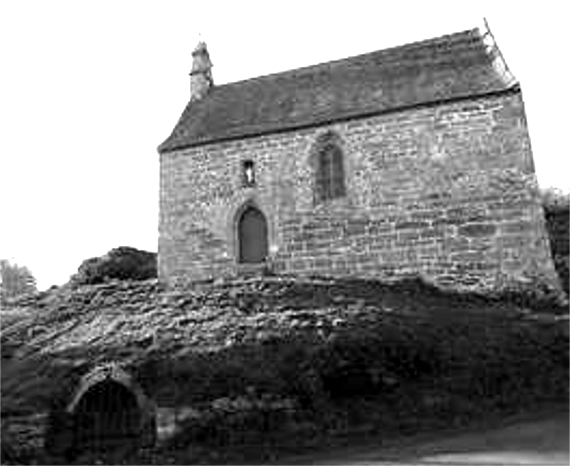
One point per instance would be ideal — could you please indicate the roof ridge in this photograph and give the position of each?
(309, 68)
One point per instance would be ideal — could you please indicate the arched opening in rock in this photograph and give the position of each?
(107, 418)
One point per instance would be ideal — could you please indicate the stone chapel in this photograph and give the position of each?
(413, 161)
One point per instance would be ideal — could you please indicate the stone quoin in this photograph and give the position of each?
(409, 161)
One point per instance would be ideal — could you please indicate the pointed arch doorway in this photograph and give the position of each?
(252, 236)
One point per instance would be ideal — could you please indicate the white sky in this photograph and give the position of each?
(89, 89)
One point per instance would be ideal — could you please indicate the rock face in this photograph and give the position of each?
(259, 354)
(122, 263)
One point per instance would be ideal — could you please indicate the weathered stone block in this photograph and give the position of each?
(520, 226)
(410, 225)
(477, 229)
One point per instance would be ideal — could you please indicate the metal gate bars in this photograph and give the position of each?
(107, 418)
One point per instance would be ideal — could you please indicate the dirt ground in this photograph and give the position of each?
(539, 439)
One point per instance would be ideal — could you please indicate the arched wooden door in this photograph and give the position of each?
(107, 418)
(252, 236)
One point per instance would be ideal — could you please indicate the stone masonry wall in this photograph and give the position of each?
(446, 192)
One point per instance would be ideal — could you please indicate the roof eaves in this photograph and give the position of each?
(180, 120)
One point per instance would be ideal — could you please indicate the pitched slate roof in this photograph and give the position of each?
(449, 67)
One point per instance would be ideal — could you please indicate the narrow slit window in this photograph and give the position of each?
(248, 173)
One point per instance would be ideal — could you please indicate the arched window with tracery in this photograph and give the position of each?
(329, 168)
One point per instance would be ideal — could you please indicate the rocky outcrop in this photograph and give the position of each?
(273, 351)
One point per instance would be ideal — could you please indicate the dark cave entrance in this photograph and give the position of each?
(107, 418)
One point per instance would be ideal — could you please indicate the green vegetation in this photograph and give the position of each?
(557, 214)
(15, 281)
(122, 263)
